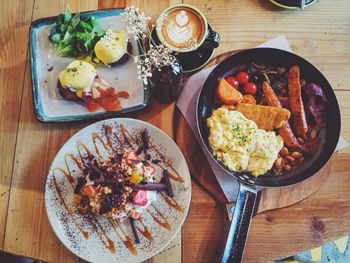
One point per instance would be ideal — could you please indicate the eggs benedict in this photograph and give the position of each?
(79, 81)
(76, 79)
(113, 48)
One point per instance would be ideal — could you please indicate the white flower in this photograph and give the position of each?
(137, 27)
(136, 22)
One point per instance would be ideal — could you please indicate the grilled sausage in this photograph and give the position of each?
(288, 136)
(296, 102)
(285, 131)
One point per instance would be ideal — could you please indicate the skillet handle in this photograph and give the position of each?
(238, 232)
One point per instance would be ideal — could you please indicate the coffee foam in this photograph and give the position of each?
(181, 27)
(181, 30)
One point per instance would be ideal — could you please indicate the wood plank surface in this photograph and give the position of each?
(33, 157)
(313, 222)
(343, 97)
(104, 4)
(14, 20)
(320, 33)
(160, 115)
(321, 218)
(28, 232)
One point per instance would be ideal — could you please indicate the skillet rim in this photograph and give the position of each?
(314, 167)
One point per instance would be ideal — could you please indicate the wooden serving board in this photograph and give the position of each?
(271, 198)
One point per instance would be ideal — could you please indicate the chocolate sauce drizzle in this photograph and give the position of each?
(174, 175)
(108, 131)
(66, 174)
(80, 144)
(144, 230)
(126, 140)
(161, 220)
(95, 137)
(69, 211)
(170, 201)
(123, 237)
(102, 234)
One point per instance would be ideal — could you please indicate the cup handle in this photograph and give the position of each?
(302, 4)
(212, 40)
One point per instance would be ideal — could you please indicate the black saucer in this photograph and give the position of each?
(193, 60)
(293, 4)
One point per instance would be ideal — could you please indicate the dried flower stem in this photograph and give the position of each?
(158, 56)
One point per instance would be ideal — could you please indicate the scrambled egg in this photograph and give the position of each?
(238, 143)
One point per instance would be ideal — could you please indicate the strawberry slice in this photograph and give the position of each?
(141, 198)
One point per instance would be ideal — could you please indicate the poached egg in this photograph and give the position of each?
(81, 77)
(112, 47)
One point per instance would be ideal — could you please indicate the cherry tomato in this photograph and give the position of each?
(233, 81)
(242, 77)
(250, 88)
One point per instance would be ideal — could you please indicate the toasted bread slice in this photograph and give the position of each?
(266, 117)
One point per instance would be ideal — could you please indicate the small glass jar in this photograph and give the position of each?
(166, 82)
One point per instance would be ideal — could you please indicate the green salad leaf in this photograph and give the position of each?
(75, 35)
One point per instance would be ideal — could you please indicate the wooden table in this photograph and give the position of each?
(320, 33)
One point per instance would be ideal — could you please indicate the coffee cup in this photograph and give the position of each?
(293, 4)
(183, 28)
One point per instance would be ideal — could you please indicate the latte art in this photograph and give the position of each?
(182, 18)
(182, 27)
(180, 31)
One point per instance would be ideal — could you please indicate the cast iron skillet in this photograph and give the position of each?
(250, 185)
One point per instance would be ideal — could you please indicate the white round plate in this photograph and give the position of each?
(71, 226)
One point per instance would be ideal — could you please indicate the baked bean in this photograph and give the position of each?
(284, 151)
(296, 154)
(290, 159)
(313, 133)
(287, 167)
(279, 162)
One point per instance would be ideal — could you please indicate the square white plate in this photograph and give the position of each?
(46, 64)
